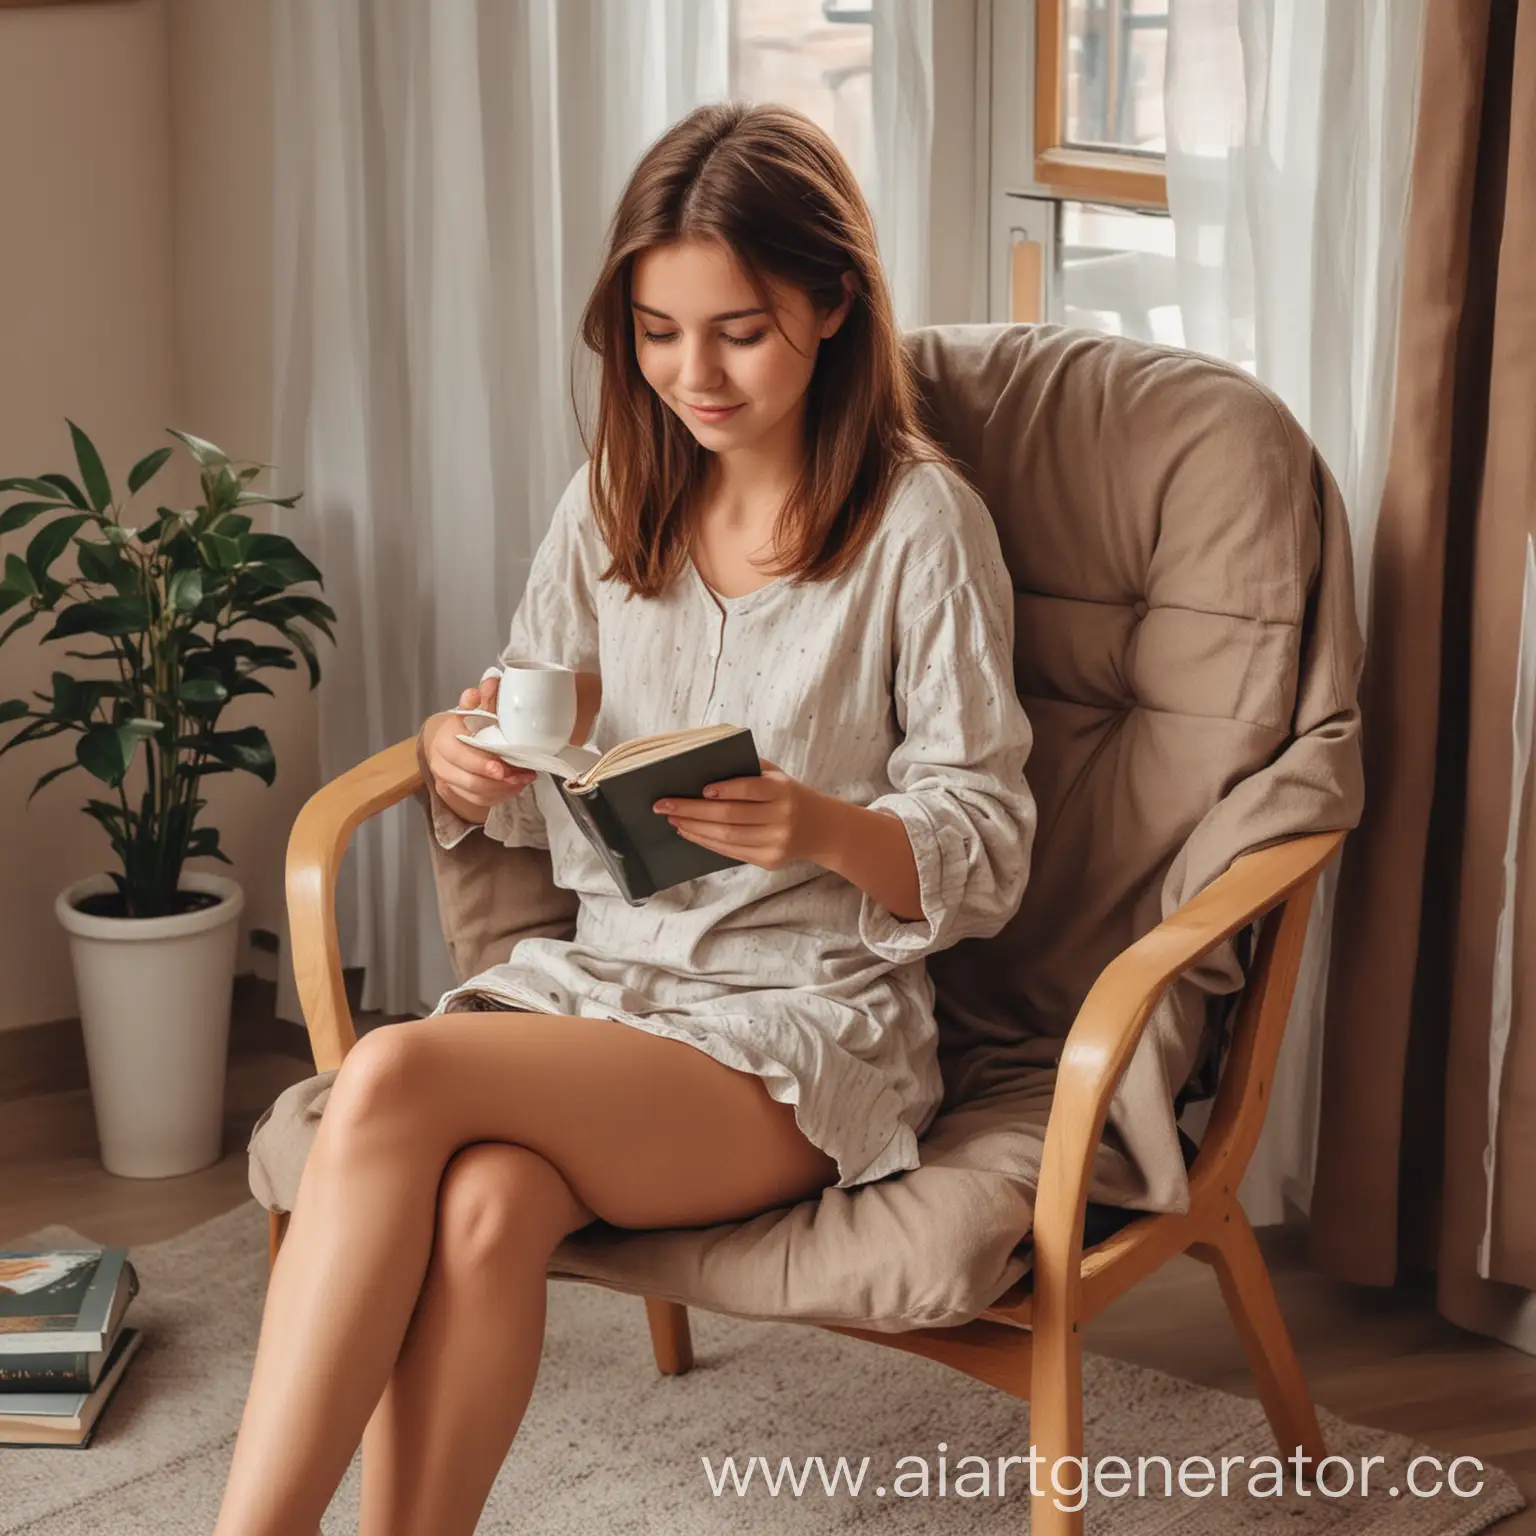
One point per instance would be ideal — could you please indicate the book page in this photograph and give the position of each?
(648, 749)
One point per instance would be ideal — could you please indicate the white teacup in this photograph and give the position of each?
(535, 704)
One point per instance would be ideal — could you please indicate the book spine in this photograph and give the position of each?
(612, 843)
(45, 1373)
(638, 883)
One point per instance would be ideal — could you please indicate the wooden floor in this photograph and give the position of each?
(1377, 1357)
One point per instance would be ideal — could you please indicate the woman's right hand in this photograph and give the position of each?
(470, 780)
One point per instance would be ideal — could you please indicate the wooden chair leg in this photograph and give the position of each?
(1056, 1425)
(1250, 1297)
(670, 1337)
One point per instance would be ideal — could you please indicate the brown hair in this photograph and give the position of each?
(770, 186)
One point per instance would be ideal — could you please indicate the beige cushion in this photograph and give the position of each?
(1188, 655)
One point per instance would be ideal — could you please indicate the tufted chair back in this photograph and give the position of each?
(1161, 515)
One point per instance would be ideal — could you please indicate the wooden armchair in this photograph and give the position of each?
(1187, 652)
(1029, 1341)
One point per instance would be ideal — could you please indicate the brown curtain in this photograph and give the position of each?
(1410, 1057)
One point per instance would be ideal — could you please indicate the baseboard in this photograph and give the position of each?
(42, 1058)
(50, 1058)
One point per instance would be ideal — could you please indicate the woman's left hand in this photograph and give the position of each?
(768, 820)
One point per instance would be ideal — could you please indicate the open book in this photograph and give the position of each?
(610, 797)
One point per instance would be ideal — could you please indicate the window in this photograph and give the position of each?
(1099, 98)
(815, 56)
(1086, 238)
(1112, 76)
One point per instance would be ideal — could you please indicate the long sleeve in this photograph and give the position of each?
(556, 620)
(958, 774)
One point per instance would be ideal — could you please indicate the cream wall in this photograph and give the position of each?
(135, 287)
(221, 83)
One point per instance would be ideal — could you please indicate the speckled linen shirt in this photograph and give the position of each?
(891, 687)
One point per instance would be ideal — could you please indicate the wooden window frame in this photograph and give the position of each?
(1091, 175)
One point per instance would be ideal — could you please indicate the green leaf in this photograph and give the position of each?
(105, 752)
(225, 486)
(233, 525)
(98, 562)
(98, 488)
(204, 844)
(31, 487)
(13, 709)
(71, 700)
(38, 730)
(18, 578)
(111, 818)
(140, 728)
(244, 683)
(186, 590)
(256, 499)
(9, 598)
(306, 648)
(69, 488)
(256, 655)
(16, 624)
(204, 452)
(247, 750)
(22, 513)
(173, 525)
(282, 555)
(264, 578)
(146, 469)
(104, 616)
(281, 611)
(202, 690)
(49, 543)
(117, 534)
(221, 553)
(49, 777)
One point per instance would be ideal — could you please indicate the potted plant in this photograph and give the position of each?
(167, 617)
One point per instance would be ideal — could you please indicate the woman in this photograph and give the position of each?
(764, 536)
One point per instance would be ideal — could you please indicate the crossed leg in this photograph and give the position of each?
(395, 1261)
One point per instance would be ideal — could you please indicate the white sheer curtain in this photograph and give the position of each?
(903, 145)
(1290, 137)
(445, 172)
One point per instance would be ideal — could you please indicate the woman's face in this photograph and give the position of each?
(714, 355)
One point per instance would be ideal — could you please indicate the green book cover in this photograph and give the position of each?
(639, 847)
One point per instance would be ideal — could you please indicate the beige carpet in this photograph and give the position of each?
(610, 1445)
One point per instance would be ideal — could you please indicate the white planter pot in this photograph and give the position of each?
(154, 997)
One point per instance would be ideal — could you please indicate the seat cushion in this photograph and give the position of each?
(912, 1251)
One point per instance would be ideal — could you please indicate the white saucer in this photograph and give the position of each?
(565, 764)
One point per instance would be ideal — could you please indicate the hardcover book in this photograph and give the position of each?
(65, 1419)
(610, 796)
(612, 803)
(65, 1302)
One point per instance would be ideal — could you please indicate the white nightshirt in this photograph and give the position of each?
(891, 687)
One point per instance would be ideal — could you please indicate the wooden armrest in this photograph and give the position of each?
(1109, 1024)
(315, 849)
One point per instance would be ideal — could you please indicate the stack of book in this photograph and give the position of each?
(63, 1347)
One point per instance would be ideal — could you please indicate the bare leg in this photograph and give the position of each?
(440, 1433)
(646, 1132)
